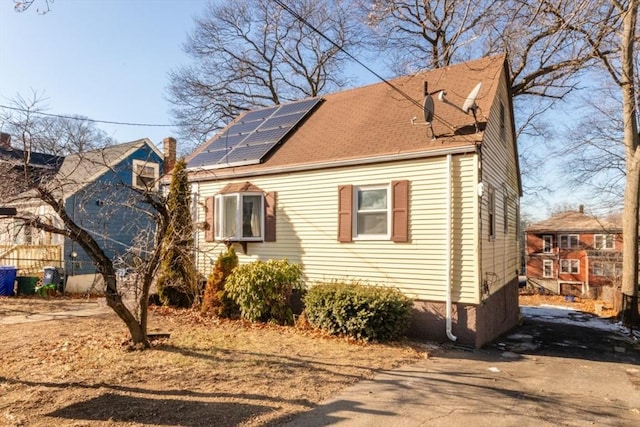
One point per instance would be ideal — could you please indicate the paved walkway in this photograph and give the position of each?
(458, 388)
(82, 310)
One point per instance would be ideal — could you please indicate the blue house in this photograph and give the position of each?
(98, 190)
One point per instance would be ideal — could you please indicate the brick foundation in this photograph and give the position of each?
(473, 325)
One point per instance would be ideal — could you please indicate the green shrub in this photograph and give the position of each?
(363, 312)
(215, 300)
(263, 290)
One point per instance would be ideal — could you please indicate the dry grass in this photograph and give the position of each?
(77, 372)
(598, 307)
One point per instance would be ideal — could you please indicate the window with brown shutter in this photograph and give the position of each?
(374, 212)
(270, 217)
(209, 215)
(345, 209)
(400, 211)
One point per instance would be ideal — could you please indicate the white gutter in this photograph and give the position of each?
(448, 239)
(215, 174)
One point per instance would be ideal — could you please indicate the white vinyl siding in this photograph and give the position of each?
(307, 227)
(498, 171)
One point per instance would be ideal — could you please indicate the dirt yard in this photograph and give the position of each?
(598, 307)
(77, 372)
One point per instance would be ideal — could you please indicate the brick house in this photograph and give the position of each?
(573, 253)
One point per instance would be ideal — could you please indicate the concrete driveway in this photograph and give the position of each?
(545, 373)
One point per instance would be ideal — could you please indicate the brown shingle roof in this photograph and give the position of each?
(375, 120)
(573, 221)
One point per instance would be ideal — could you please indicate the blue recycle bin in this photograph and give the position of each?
(7, 279)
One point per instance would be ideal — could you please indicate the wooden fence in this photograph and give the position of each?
(31, 259)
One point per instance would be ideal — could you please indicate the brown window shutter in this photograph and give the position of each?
(209, 217)
(345, 215)
(400, 211)
(270, 217)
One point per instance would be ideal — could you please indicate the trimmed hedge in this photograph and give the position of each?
(360, 311)
(263, 290)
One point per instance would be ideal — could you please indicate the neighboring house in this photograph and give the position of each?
(95, 187)
(354, 187)
(573, 253)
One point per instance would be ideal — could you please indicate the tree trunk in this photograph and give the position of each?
(137, 329)
(629, 313)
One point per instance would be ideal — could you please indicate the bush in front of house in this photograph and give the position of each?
(215, 301)
(263, 290)
(360, 311)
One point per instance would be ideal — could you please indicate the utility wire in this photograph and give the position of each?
(388, 83)
(86, 119)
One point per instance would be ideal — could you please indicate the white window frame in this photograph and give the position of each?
(549, 246)
(145, 164)
(606, 268)
(545, 263)
(567, 244)
(220, 217)
(570, 266)
(357, 235)
(605, 238)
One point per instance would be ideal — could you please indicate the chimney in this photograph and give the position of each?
(169, 148)
(581, 209)
(5, 140)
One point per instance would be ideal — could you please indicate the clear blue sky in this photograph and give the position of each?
(104, 59)
(110, 59)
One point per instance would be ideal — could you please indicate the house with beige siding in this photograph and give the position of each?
(412, 183)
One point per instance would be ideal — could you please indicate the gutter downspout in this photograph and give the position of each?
(448, 269)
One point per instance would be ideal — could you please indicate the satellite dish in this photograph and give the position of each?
(429, 109)
(470, 102)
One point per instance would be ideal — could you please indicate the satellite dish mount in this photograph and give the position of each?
(469, 103)
(428, 108)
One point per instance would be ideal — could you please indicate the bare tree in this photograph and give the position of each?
(50, 133)
(545, 56)
(626, 79)
(613, 34)
(22, 5)
(593, 153)
(251, 53)
(42, 203)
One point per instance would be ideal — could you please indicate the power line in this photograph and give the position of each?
(388, 83)
(86, 119)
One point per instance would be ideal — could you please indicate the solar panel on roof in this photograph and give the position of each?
(244, 127)
(268, 135)
(296, 107)
(283, 121)
(259, 114)
(245, 154)
(253, 136)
